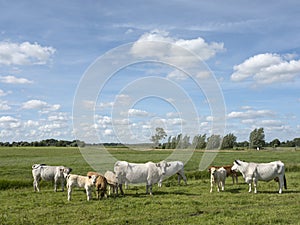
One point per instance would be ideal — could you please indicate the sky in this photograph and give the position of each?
(113, 71)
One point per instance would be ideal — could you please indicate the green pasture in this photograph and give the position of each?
(171, 204)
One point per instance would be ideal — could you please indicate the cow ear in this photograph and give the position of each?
(168, 165)
(237, 162)
(90, 177)
(157, 164)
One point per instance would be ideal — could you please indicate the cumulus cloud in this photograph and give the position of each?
(4, 105)
(138, 112)
(44, 107)
(267, 68)
(249, 114)
(160, 50)
(14, 80)
(24, 53)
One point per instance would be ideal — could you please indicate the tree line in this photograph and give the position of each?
(44, 143)
(229, 141)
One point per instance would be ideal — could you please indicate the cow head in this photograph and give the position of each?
(163, 166)
(65, 171)
(93, 179)
(213, 170)
(236, 164)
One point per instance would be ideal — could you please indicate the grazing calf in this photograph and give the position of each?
(82, 182)
(101, 184)
(113, 183)
(217, 176)
(173, 168)
(229, 172)
(49, 173)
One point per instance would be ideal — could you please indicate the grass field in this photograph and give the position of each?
(171, 204)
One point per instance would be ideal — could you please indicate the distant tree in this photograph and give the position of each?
(257, 138)
(297, 142)
(275, 143)
(199, 141)
(214, 142)
(159, 135)
(229, 141)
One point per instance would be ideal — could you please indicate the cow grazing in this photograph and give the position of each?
(253, 172)
(113, 183)
(136, 173)
(218, 177)
(229, 172)
(85, 182)
(101, 184)
(175, 167)
(49, 173)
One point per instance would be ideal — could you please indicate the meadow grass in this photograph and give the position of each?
(171, 204)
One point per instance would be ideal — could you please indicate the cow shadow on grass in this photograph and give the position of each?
(276, 192)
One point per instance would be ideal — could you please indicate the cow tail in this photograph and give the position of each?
(284, 182)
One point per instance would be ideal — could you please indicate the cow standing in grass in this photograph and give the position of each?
(86, 182)
(229, 172)
(253, 172)
(137, 173)
(101, 184)
(218, 177)
(49, 173)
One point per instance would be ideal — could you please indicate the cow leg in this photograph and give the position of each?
(211, 186)
(179, 178)
(250, 183)
(222, 185)
(121, 189)
(280, 184)
(55, 184)
(255, 185)
(109, 187)
(150, 187)
(181, 173)
(62, 184)
(89, 194)
(218, 186)
(69, 193)
(36, 185)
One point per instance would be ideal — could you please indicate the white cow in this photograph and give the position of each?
(253, 172)
(137, 173)
(218, 177)
(86, 182)
(174, 167)
(49, 173)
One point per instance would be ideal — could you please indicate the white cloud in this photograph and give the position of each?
(5, 119)
(14, 80)
(2, 93)
(44, 107)
(34, 104)
(4, 105)
(160, 50)
(267, 68)
(138, 112)
(177, 75)
(24, 53)
(249, 114)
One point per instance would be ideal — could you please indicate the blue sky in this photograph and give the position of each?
(251, 49)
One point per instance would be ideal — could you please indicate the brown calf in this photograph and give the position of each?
(101, 184)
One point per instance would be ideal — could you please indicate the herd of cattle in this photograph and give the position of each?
(152, 173)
